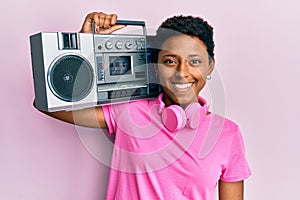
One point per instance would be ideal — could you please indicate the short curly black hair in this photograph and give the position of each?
(189, 25)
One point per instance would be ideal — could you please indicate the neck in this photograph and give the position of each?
(168, 102)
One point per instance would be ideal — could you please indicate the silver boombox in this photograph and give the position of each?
(79, 70)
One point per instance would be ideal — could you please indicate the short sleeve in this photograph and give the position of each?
(109, 118)
(237, 168)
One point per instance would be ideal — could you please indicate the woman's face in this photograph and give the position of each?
(183, 64)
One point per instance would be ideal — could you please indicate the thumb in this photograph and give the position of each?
(114, 28)
(117, 27)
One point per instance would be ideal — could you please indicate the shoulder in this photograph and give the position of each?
(226, 130)
(120, 113)
(230, 126)
(230, 136)
(227, 126)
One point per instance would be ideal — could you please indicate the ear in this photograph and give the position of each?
(211, 65)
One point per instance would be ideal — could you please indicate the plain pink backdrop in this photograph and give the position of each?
(257, 51)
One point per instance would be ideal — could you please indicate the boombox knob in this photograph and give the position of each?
(119, 45)
(109, 44)
(128, 45)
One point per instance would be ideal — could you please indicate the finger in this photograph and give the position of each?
(87, 24)
(89, 17)
(107, 22)
(101, 19)
(114, 18)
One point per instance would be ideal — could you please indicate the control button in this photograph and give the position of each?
(101, 76)
(128, 45)
(138, 45)
(142, 43)
(119, 45)
(109, 44)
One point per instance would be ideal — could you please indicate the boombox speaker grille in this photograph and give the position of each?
(70, 78)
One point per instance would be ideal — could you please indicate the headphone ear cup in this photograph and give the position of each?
(194, 113)
(174, 118)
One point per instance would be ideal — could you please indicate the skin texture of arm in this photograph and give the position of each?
(88, 117)
(231, 190)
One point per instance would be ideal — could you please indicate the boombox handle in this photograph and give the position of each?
(127, 22)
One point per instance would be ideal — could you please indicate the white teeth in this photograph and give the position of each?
(183, 86)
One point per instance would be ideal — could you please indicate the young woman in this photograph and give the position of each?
(171, 147)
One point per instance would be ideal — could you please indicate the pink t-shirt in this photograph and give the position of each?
(149, 162)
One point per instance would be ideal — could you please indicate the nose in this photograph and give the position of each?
(183, 69)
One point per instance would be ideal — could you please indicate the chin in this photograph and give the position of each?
(181, 98)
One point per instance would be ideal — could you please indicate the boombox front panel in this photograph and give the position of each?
(71, 71)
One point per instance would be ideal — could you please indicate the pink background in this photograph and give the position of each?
(257, 51)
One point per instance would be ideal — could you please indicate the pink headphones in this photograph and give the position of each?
(175, 118)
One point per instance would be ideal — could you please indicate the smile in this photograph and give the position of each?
(182, 85)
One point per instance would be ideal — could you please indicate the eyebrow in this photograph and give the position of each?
(175, 55)
(195, 55)
(170, 55)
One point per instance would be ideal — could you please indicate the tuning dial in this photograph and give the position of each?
(128, 45)
(119, 45)
(109, 44)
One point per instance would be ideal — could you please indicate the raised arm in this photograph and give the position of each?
(90, 117)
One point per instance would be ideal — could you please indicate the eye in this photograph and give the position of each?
(195, 62)
(169, 62)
